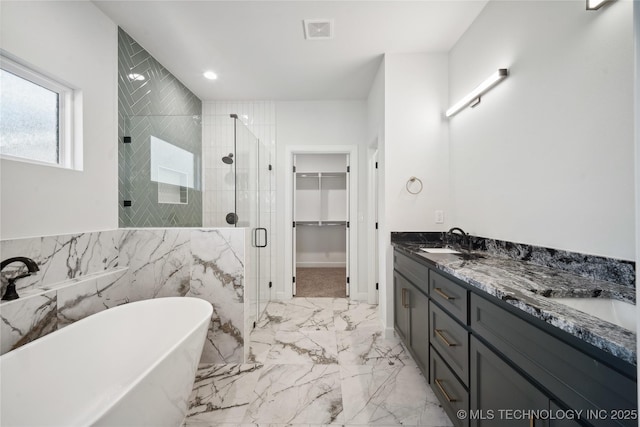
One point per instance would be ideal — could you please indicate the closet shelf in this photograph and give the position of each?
(320, 174)
(321, 223)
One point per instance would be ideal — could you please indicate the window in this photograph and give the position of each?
(35, 116)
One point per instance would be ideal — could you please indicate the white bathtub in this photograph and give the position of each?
(132, 365)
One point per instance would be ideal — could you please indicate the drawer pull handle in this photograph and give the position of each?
(442, 294)
(405, 304)
(443, 391)
(443, 338)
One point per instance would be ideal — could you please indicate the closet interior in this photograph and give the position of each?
(321, 225)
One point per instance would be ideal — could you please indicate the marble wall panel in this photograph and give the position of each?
(159, 262)
(217, 275)
(85, 273)
(24, 320)
(61, 258)
(93, 295)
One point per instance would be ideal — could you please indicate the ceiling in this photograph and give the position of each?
(258, 50)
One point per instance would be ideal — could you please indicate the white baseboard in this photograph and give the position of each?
(320, 264)
(359, 296)
(389, 333)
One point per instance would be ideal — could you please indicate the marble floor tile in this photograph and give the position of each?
(357, 315)
(308, 314)
(222, 393)
(345, 374)
(303, 348)
(297, 394)
(369, 347)
(261, 340)
(397, 395)
(273, 316)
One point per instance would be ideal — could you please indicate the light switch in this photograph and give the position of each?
(439, 217)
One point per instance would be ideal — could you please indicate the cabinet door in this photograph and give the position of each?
(419, 313)
(400, 305)
(560, 421)
(499, 394)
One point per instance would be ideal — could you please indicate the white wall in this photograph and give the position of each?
(329, 123)
(416, 141)
(415, 144)
(76, 43)
(547, 157)
(375, 139)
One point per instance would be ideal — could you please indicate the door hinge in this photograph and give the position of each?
(270, 167)
(294, 169)
(294, 279)
(347, 224)
(376, 165)
(127, 140)
(348, 169)
(294, 224)
(376, 286)
(270, 285)
(254, 324)
(376, 225)
(348, 280)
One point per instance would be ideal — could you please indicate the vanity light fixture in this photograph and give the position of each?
(596, 4)
(473, 98)
(210, 75)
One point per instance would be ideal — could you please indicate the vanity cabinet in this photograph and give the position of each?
(486, 355)
(497, 389)
(411, 309)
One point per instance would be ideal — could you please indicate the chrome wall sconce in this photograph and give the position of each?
(596, 4)
(473, 98)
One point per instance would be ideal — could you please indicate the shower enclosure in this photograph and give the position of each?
(172, 174)
(247, 168)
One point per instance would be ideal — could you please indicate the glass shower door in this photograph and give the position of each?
(266, 201)
(160, 172)
(253, 206)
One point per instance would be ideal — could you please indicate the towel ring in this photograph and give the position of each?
(411, 181)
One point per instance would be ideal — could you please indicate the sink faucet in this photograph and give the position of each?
(32, 267)
(460, 232)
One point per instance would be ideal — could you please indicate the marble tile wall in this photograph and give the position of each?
(85, 273)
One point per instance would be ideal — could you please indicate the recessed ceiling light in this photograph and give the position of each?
(210, 75)
(136, 76)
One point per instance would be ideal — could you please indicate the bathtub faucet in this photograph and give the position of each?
(32, 267)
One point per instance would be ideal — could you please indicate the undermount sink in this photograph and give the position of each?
(439, 251)
(618, 312)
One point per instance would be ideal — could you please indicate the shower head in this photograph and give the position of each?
(228, 159)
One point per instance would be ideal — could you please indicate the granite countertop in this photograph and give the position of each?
(527, 286)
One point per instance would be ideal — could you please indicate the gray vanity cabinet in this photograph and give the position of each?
(401, 287)
(499, 393)
(486, 356)
(411, 308)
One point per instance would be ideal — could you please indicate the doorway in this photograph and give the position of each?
(321, 223)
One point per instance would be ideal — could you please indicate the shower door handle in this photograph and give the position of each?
(255, 237)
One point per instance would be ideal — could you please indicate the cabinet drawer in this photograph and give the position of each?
(451, 296)
(577, 379)
(451, 340)
(450, 392)
(417, 273)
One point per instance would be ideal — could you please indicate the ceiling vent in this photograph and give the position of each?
(318, 29)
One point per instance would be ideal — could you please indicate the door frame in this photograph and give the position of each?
(352, 151)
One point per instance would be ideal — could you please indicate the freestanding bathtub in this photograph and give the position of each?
(132, 365)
